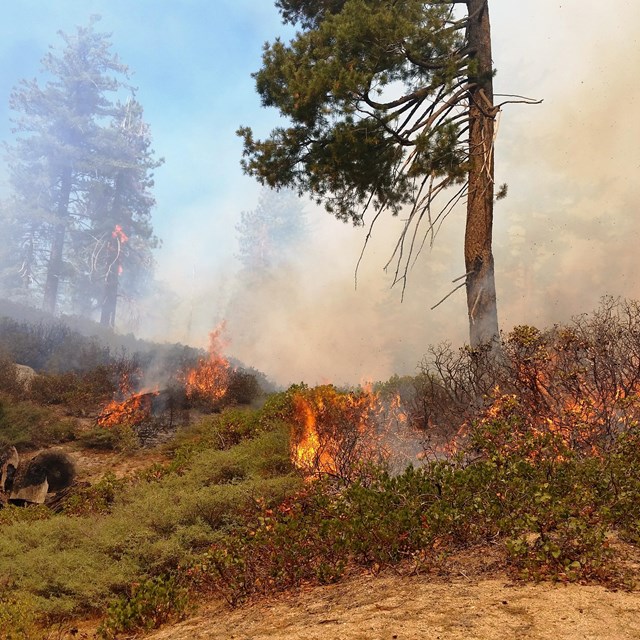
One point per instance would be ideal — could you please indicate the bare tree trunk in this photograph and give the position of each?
(481, 288)
(108, 311)
(54, 268)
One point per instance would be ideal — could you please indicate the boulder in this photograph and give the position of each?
(25, 375)
(48, 471)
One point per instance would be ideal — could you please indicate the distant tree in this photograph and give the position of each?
(269, 235)
(80, 170)
(118, 249)
(391, 108)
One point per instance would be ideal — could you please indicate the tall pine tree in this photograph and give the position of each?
(81, 171)
(391, 108)
(117, 256)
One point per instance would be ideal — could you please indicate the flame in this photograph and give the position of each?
(119, 234)
(335, 431)
(210, 378)
(132, 411)
(307, 451)
(550, 421)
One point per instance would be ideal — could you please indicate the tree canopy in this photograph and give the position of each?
(81, 173)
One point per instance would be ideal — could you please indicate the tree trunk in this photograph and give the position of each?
(108, 311)
(481, 288)
(54, 268)
(114, 267)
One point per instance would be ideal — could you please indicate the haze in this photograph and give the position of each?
(566, 235)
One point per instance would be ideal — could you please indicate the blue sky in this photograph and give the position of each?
(566, 234)
(191, 61)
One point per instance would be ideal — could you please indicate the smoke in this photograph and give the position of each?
(565, 236)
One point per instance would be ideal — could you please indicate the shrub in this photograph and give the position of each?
(121, 437)
(149, 605)
(28, 426)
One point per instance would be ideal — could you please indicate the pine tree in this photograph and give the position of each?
(119, 205)
(391, 108)
(80, 170)
(268, 235)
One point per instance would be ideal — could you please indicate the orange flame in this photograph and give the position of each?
(211, 376)
(119, 234)
(336, 432)
(132, 411)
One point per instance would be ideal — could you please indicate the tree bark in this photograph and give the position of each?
(478, 254)
(108, 311)
(54, 267)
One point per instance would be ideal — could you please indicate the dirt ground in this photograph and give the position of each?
(392, 607)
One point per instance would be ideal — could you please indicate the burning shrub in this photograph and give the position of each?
(335, 432)
(208, 382)
(579, 382)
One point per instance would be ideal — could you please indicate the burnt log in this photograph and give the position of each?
(9, 461)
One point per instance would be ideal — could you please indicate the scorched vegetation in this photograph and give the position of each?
(530, 463)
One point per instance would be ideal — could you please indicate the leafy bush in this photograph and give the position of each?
(118, 438)
(150, 604)
(27, 426)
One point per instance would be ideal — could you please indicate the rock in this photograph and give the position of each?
(25, 375)
(48, 471)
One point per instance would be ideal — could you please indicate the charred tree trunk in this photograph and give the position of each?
(478, 254)
(54, 267)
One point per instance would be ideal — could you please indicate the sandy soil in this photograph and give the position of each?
(404, 608)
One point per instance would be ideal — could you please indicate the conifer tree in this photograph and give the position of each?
(81, 172)
(391, 108)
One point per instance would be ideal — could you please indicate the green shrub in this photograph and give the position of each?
(94, 499)
(121, 437)
(78, 392)
(29, 426)
(17, 618)
(149, 605)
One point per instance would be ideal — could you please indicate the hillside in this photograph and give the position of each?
(178, 512)
(393, 606)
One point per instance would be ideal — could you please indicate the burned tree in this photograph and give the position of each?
(391, 109)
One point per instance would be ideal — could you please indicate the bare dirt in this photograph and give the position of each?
(397, 607)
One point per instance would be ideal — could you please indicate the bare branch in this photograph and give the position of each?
(448, 295)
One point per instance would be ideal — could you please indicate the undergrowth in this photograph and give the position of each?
(543, 470)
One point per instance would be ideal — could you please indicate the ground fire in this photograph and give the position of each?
(132, 411)
(209, 380)
(338, 432)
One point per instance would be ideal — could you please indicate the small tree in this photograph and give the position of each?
(391, 108)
